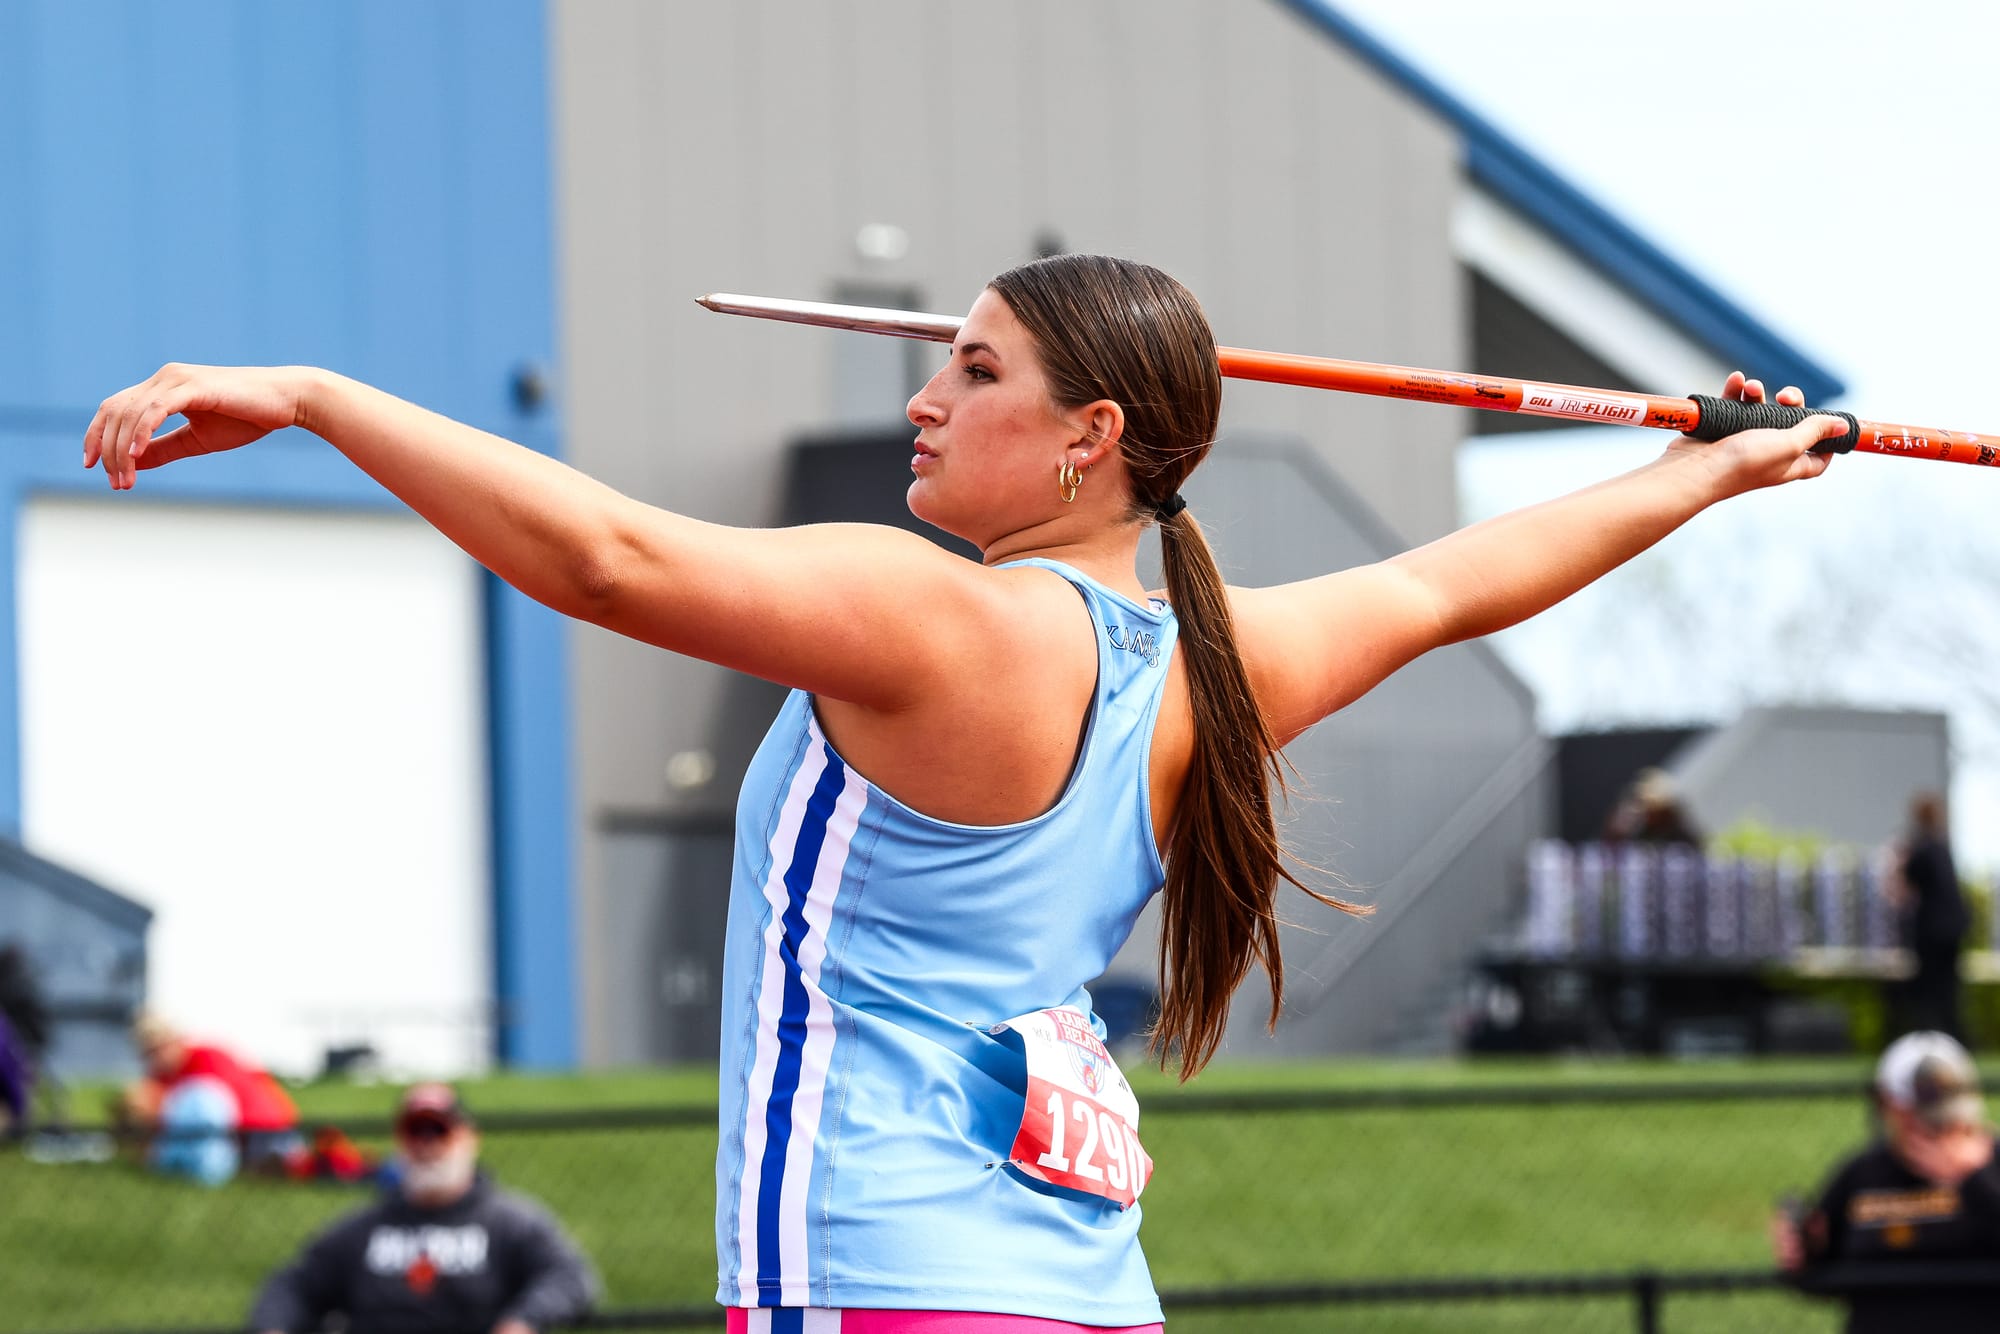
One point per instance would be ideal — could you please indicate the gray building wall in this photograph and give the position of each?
(741, 145)
(86, 948)
(1847, 774)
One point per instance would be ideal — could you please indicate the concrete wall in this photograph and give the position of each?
(741, 146)
(1845, 773)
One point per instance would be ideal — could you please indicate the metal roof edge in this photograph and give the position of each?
(1514, 175)
(85, 893)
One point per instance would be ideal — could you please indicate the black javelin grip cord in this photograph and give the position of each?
(1727, 416)
(1703, 416)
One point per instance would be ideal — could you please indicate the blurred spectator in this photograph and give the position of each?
(1651, 813)
(331, 1156)
(195, 1132)
(24, 1037)
(21, 999)
(1928, 1189)
(1935, 919)
(199, 1105)
(17, 1080)
(443, 1253)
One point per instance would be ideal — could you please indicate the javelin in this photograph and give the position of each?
(1702, 416)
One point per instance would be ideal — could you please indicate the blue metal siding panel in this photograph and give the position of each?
(504, 190)
(359, 185)
(1654, 278)
(508, 227)
(534, 943)
(19, 292)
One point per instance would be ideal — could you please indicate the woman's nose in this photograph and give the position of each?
(925, 408)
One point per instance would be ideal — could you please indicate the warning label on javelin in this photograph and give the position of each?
(1584, 407)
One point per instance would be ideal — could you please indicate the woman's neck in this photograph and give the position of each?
(1111, 557)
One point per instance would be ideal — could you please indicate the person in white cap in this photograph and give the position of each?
(1927, 1190)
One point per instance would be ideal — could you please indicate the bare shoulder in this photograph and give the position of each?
(939, 624)
(859, 612)
(987, 734)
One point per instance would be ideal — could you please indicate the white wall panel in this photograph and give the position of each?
(268, 727)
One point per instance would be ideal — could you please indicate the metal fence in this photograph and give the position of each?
(1587, 1206)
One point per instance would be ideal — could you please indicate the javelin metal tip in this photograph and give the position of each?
(860, 319)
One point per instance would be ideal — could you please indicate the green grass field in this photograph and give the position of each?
(1238, 1198)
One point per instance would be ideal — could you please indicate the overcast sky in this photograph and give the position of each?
(1834, 167)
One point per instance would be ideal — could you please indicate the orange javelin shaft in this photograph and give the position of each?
(1702, 415)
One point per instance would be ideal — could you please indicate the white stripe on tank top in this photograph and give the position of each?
(808, 852)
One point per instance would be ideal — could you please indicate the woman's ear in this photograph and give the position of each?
(1101, 424)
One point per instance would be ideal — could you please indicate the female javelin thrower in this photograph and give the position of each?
(984, 769)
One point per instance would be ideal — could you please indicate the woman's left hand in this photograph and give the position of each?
(1763, 457)
(224, 407)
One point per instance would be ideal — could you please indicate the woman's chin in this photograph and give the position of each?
(922, 502)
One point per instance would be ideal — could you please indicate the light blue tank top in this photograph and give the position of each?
(866, 1111)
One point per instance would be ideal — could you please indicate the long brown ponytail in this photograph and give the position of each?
(1112, 329)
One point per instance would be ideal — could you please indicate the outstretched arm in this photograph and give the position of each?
(1344, 632)
(820, 607)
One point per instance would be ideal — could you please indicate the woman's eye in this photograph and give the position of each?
(978, 373)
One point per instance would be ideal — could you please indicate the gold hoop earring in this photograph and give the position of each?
(1068, 479)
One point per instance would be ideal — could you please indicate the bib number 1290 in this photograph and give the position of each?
(1102, 1132)
(1080, 1125)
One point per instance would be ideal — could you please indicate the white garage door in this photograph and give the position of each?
(268, 726)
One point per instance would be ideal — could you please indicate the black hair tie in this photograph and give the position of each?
(1169, 507)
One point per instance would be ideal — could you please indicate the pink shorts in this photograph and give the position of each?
(816, 1320)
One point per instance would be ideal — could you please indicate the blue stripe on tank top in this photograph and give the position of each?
(791, 1030)
(788, 1320)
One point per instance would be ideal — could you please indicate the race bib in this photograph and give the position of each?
(1080, 1128)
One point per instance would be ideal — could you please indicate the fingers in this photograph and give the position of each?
(1807, 434)
(103, 442)
(1740, 386)
(93, 439)
(122, 430)
(176, 444)
(151, 419)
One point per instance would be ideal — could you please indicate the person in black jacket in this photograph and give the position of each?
(1936, 919)
(1927, 1191)
(447, 1253)
(24, 1037)
(21, 999)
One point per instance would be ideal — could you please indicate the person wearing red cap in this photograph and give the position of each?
(1928, 1190)
(444, 1252)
